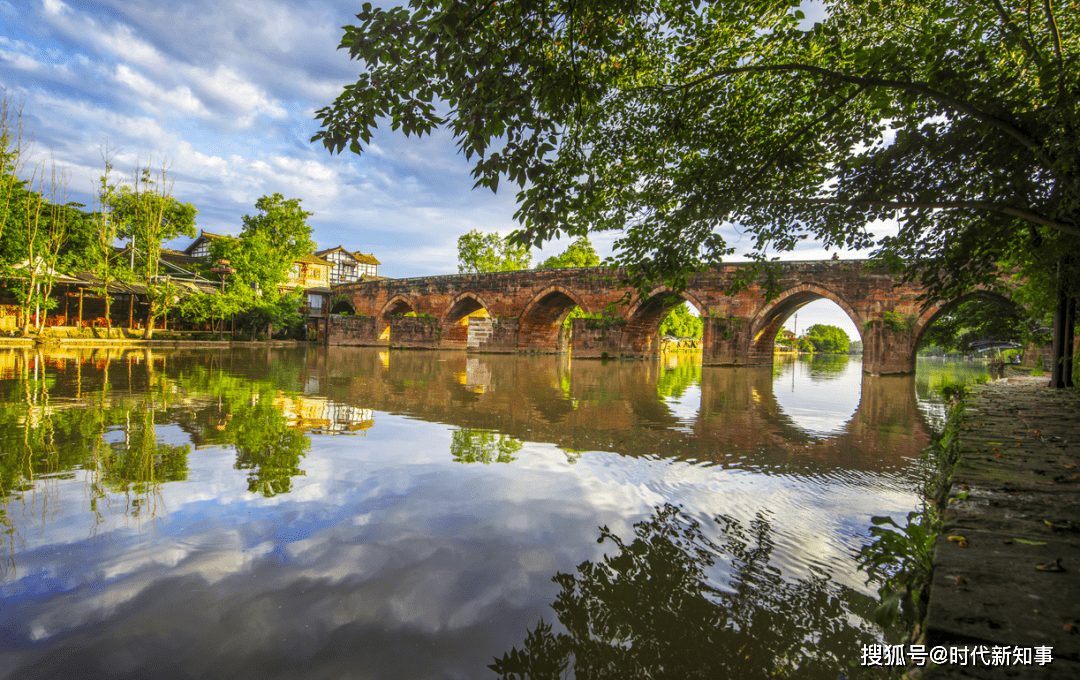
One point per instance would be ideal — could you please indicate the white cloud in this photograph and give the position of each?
(179, 100)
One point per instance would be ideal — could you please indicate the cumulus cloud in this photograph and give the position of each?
(226, 91)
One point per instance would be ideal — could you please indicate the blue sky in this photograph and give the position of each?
(226, 93)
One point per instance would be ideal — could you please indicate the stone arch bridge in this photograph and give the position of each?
(523, 311)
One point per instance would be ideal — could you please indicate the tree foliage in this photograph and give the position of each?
(146, 213)
(828, 339)
(668, 120)
(479, 253)
(682, 324)
(282, 225)
(986, 319)
(580, 253)
(267, 249)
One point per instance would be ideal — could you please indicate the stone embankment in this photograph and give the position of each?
(1007, 562)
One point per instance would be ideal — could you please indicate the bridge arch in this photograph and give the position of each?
(771, 317)
(938, 309)
(455, 322)
(342, 305)
(541, 319)
(648, 312)
(398, 305)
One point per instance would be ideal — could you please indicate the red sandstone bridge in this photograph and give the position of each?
(523, 311)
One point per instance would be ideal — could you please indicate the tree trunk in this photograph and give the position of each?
(269, 332)
(1061, 313)
(1070, 325)
(149, 327)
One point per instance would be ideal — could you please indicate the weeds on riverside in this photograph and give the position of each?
(900, 559)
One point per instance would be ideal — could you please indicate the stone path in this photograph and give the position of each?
(1016, 503)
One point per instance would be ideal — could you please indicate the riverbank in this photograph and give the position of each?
(1007, 561)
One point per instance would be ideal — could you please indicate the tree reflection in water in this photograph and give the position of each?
(267, 446)
(138, 464)
(482, 446)
(650, 611)
(828, 365)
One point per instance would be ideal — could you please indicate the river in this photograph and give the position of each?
(358, 513)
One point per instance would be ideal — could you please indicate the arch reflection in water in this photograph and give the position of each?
(657, 609)
(820, 393)
(729, 416)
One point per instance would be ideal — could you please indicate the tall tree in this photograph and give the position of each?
(479, 253)
(580, 253)
(100, 257)
(282, 224)
(38, 226)
(267, 249)
(148, 215)
(14, 151)
(955, 120)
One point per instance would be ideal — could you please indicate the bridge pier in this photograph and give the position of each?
(888, 348)
(503, 338)
(595, 339)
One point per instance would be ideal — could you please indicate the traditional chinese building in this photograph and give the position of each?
(349, 267)
(200, 247)
(369, 266)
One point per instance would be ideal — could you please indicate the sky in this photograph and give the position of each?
(225, 93)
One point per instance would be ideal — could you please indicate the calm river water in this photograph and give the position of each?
(356, 513)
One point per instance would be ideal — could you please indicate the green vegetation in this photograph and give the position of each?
(680, 323)
(986, 318)
(673, 382)
(580, 253)
(828, 339)
(268, 247)
(146, 214)
(41, 233)
(42, 236)
(480, 253)
(45, 432)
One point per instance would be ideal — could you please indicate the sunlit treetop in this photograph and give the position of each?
(668, 119)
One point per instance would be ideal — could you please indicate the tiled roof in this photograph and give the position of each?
(204, 235)
(365, 259)
(311, 259)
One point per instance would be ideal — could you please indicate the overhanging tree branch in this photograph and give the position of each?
(1031, 143)
(942, 205)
